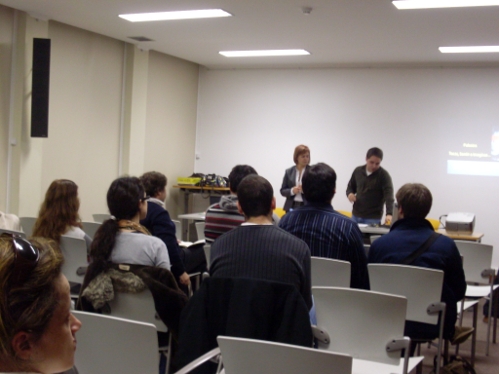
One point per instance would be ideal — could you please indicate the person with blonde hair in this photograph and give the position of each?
(37, 328)
(291, 187)
(59, 213)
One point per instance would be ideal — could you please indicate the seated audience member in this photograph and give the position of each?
(409, 234)
(122, 239)
(125, 257)
(37, 328)
(328, 233)
(59, 213)
(224, 216)
(9, 222)
(159, 223)
(258, 249)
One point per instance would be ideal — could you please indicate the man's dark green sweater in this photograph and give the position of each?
(372, 192)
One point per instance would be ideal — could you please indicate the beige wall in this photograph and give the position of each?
(171, 121)
(89, 129)
(6, 20)
(85, 113)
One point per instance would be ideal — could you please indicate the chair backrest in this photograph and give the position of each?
(27, 224)
(74, 251)
(200, 230)
(115, 345)
(138, 307)
(207, 254)
(178, 228)
(367, 247)
(477, 257)
(360, 323)
(421, 287)
(345, 213)
(328, 272)
(100, 217)
(13, 232)
(249, 356)
(90, 228)
(279, 212)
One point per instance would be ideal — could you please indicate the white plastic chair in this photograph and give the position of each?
(140, 307)
(207, 254)
(367, 325)
(178, 228)
(27, 224)
(329, 272)
(477, 264)
(13, 232)
(200, 230)
(75, 263)
(90, 228)
(421, 286)
(100, 217)
(249, 356)
(107, 344)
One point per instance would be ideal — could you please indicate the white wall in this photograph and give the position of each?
(257, 117)
(6, 21)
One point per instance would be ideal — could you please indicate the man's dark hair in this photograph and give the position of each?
(153, 183)
(255, 195)
(319, 183)
(375, 151)
(415, 200)
(237, 174)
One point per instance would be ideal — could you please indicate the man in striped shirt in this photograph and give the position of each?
(328, 233)
(224, 216)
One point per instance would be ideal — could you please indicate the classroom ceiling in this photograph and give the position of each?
(337, 33)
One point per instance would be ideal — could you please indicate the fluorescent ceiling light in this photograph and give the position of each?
(268, 52)
(427, 4)
(183, 14)
(477, 49)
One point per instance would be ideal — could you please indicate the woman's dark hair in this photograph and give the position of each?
(123, 199)
(30, 305)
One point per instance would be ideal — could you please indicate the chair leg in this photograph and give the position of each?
(473, 336)
(489, 323)
(496, 307)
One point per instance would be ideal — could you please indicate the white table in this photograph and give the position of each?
(200, 216)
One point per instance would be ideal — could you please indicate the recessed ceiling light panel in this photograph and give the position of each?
(427, 4)
(168, 16)
(268, 52)
(473, 49)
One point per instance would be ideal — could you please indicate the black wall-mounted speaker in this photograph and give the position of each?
(40, 85)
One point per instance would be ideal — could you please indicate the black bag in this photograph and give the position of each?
(456, 365)
(213, 180)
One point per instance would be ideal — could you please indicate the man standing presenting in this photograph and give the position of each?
(370, 188)
(412, 232)
(259, 250)
(328, 233)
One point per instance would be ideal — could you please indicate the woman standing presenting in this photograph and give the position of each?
(291, 183)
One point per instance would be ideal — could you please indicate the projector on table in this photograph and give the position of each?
(460, 223)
